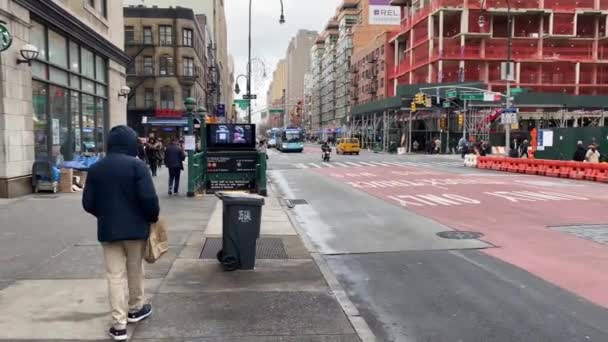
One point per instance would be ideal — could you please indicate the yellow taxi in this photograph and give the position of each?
(348, 146)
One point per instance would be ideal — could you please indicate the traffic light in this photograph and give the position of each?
(460, 119)
(443, 122)
(413, 107)
(428, 102)
(420, 98)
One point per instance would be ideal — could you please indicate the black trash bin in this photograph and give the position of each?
(241, 219)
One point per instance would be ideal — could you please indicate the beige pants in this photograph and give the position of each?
(125, 269)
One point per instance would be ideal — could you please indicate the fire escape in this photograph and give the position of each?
(137, 73)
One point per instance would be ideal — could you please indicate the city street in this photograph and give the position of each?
(536, 272)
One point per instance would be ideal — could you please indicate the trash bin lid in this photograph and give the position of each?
(241, 199)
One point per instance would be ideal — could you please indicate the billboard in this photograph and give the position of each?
(381, 13)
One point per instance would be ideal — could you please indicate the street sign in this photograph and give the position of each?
(250, 96)
(491, 97)
(451, 93)
(508, 118)
(471, 96)
(446, 104)
(276, 111)
(243, 104)
(515, 91)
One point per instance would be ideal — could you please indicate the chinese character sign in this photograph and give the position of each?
(244, 216)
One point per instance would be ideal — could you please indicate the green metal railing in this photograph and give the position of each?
(196, 172)
(260, 176)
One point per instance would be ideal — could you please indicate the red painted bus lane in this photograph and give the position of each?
(514, 212)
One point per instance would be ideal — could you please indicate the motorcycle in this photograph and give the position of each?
(326, 154)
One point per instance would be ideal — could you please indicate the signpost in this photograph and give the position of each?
(451, 93)
(471, 96)
(275, 111)
(508, 116)
(243, 104)
(250, 97)
(447, 104)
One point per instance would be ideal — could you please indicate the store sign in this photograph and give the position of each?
(6, 39)
(382, 13)
(220, 164)
(228, 185)
(168, 113)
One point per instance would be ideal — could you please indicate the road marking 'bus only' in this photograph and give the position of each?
(453, 199)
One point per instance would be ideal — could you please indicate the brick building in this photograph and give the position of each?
(171, 60)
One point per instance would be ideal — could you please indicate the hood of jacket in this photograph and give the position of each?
(122, 139)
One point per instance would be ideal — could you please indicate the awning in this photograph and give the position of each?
(183, 122)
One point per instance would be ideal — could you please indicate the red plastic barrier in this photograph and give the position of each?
(591, 172)
(601, 174)
(552, 169)
(523, 166)
(533, 166)
(565, 168)
(578, 170)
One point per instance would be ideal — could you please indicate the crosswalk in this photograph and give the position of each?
(361, 164)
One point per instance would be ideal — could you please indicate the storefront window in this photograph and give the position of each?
(74, 57)
(100, 130)
(39, 70)
(58, 100)
(39, 100)
(38, 39)
(67, 122)
(88, 123)
(58, 50)
(88, 63)
(100, 69)
(75, 81)
(88, 86)
(58, 76)
(75, 114)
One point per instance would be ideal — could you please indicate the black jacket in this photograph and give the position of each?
(119, 191)
(580, 154)
(174, 156)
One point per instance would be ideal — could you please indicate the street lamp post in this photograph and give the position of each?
(281, 21)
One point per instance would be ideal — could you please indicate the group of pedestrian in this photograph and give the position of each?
(589, 155)
(155, 154)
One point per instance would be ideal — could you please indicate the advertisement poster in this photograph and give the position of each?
(381, 13)
(189, 143)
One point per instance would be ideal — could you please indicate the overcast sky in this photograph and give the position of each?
(269, 38)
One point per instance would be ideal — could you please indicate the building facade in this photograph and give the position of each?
(298, 63)
(169, 63)
(556, 46)
(369, 65)
(214, 10)
(314, 88)
(355, 25)
(61, 103)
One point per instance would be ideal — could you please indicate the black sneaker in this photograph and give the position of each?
(140, 315)
(118, 335)
(170, 193)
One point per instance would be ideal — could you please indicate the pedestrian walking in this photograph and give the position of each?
(415, 145)
(152, 153)
(593, 155)
(581, 153)
(141, 150)
(437, 146)
(174, 158)
(463, 147)
(119, 192)
(523, 149)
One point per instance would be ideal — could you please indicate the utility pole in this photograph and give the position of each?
(508, 69)
(249, 68)
(285, 114)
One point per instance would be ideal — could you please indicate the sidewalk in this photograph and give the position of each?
(52, 284)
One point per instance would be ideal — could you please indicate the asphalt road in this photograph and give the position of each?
(375, 219)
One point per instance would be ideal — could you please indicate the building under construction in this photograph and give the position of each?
(559, 55)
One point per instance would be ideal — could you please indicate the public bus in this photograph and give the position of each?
(271, 137)
(290, 139)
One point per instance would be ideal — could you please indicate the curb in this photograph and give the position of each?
(361, 327)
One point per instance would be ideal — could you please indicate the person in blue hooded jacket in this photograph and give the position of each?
(120, 193)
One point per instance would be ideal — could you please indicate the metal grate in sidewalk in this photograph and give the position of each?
(266, 248)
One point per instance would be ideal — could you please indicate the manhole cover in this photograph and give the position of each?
(597, 232)
(266, 248)
(459, 235)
